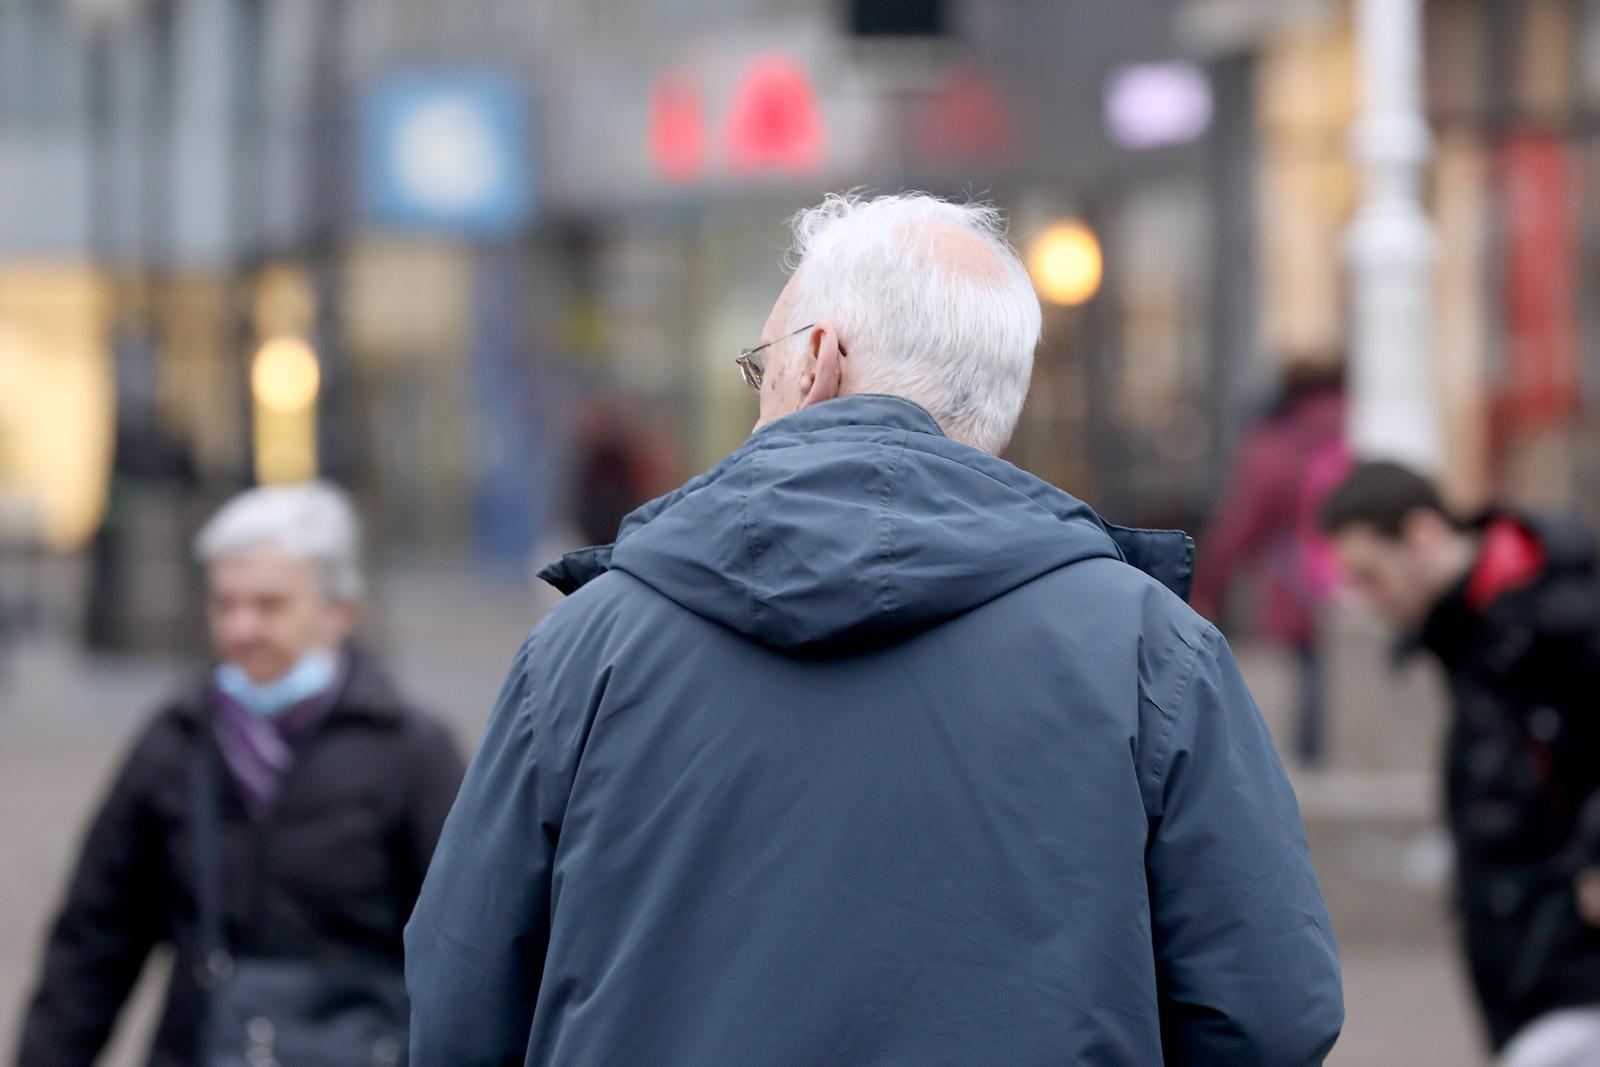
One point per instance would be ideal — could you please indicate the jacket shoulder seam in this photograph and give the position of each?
(1179, 701)
(527, 720)
(886, 537)
(750, 540)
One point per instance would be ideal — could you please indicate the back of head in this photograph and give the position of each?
(1305, 377)
(931, 303)
(312, 521)
(1380, 495)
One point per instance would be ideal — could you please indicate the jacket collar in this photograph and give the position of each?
(861, 409)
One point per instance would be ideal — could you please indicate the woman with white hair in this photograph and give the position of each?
(273, 824)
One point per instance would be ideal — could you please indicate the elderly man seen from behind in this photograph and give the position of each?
(272, 823)
(867, 747)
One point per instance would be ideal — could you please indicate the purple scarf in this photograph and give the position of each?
(260, 750)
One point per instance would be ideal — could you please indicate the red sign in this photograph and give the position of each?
(966, 118)
(1541, 268)
(774, 123)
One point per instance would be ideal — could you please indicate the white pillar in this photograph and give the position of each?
(1393, 402)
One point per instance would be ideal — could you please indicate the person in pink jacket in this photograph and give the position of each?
(1285, 467)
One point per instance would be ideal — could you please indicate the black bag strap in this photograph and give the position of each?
(206, 830)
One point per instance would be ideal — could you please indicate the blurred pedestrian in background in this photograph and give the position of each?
(869, 747)
(1267, 519)
(1510, 606)
(621, 459)
(273, 824)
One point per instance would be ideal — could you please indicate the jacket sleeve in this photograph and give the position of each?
(476, 941)
(1570, 678)
(114, 912)
(1246, 963)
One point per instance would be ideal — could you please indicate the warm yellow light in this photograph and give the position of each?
(285, 376)
(286, 446)
(56, 401)
(1065, 263)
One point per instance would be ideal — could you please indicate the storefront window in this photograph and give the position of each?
(55, 399)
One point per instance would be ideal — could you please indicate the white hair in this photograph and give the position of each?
(312, 521)
(918, 314)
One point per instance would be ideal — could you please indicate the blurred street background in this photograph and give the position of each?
(487, 263)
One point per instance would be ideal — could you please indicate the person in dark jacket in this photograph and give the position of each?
(331, 795)
(867, 747)
(1510, 606)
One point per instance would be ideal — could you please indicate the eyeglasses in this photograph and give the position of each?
(752, 368)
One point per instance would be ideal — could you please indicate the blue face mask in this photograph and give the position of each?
(313, 674)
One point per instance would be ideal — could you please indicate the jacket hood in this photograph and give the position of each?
(857, 521)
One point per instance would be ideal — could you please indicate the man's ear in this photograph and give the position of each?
(1424, 527)
(824, 372)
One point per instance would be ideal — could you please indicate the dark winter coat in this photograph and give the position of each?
(1522, 772)
(868, 748)
(332, 873)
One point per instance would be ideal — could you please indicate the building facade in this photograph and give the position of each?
(399, 242)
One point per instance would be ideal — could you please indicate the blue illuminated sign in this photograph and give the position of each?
(447, 151)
